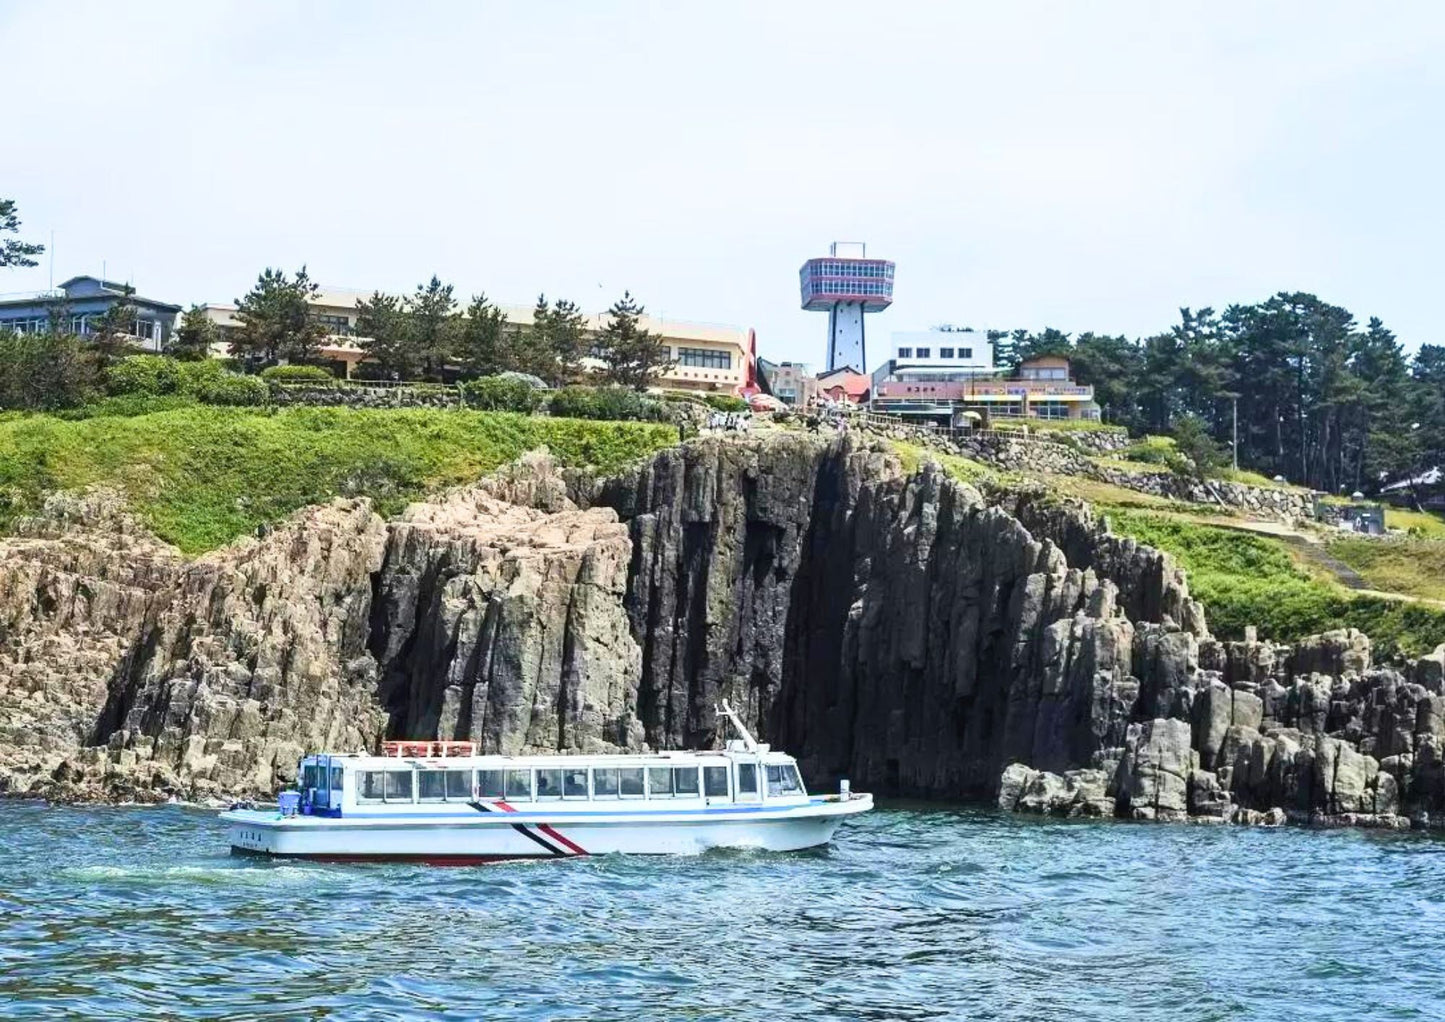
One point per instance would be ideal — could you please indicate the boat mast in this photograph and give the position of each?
(749, 742)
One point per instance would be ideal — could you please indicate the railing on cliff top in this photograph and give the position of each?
(1021, 432)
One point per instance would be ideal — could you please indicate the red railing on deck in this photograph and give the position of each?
(428, 750)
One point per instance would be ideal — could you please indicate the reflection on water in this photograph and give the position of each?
(915, 913)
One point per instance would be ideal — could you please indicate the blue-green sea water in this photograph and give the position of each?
(913, 913)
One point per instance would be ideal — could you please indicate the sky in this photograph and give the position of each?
(1085, 166)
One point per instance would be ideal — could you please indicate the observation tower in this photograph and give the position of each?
(846, 284)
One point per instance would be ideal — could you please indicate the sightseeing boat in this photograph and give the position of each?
(440, 802)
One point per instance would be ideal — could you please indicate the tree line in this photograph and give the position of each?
(1320, 399)
(430, 335)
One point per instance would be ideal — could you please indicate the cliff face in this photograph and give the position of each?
(902, 630)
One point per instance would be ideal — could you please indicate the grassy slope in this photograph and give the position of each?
(200, 476)
(1422, 523)
(1245, 579)
(1415, 567)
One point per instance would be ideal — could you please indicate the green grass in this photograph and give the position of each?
(965, 470)
(200, 476)
(1255, 479)
(1245, 579)
(1415, 567)
(1130, 465)
(1422, 523)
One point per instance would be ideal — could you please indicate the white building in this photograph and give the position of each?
(942, 355)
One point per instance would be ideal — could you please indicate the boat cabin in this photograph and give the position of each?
(425, 777)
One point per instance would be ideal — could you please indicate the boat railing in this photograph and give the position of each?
(428, 750)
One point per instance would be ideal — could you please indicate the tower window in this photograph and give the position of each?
(905, 352)
(945, 352)
(925, 352)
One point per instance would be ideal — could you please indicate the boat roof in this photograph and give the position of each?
(367, 761)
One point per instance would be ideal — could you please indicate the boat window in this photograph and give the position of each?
(604, 783)
(371, 785)
(783, 780)
(489, 784)
(310, 777)
(398, 786)
(549, 783)
(659, 782)
(747, 778)
(630, 781)
(338, 778)
(519, 785)
(432, 784)
(459, 784)
(574, 784)
(715, 781)
(684, 781)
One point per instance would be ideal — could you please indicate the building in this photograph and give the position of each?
(844, 385)
(708, 358)
(1424, 491)
(80, 302)
(790, 382)
(847, 285)
(948, 377)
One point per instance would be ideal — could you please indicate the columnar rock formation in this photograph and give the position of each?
(903, 630)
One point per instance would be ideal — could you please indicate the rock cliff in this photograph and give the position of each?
(903, 630)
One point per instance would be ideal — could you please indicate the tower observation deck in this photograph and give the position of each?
(847, 285)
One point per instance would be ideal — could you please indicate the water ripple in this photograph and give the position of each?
(916, 913)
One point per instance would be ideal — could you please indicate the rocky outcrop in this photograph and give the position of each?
(503, 624)
(901, 629)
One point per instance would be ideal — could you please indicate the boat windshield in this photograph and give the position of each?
(784, 780)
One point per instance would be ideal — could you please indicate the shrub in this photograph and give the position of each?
(143, 374)
(231, 389)
(501, 394)
(726, 402)
(1199, 454)
(1152, 450)
(609, 403)
(535, 382)
(195, 375)
(44, 371)
(297, 374)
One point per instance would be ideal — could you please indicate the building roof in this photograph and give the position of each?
(854, 383)
(521, 315)
(105, 289)
(1430, 477)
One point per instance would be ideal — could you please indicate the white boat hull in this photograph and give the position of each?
(487, 835)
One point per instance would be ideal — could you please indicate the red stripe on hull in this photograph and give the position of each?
(574, 846)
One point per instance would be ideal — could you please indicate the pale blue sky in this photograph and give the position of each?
(1079, 165)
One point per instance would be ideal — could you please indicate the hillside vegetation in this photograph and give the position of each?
(201, 476)
(1244, 579)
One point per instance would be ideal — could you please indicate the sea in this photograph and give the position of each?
(914, 912)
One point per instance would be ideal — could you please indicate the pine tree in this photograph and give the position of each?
(631, 357)
(434, 326)
(384, 333)
(275, 319)
(482, 347)
(113, 333)
(192, 339)
(13, 252)
(567, 340)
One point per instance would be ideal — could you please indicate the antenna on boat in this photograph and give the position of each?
(749, 742)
